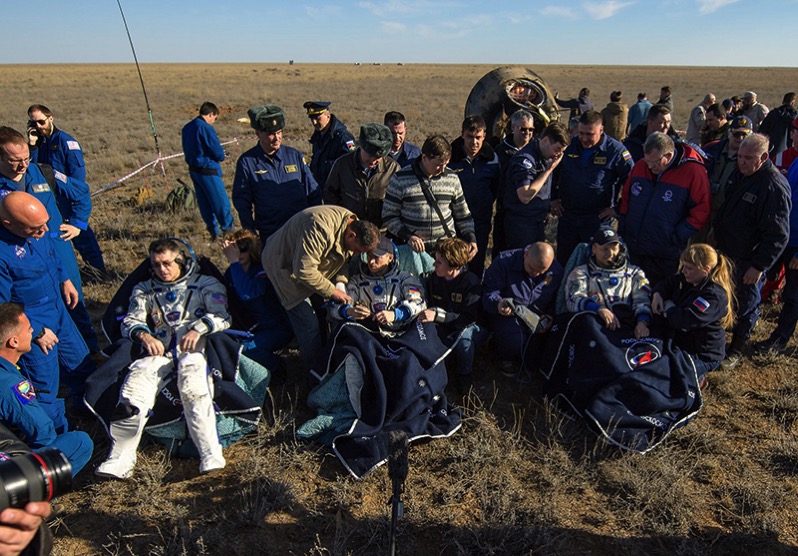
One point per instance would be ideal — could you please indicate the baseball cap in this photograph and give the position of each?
(604, 236)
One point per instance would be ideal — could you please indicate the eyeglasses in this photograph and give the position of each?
(740, 135)
(18, 161)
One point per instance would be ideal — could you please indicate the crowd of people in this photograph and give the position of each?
(655, 231)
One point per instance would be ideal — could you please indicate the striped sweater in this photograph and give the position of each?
(406, 212)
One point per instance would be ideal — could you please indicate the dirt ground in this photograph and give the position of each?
(518, 478)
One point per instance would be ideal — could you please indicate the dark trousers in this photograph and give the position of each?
(573, 229)
(747, 308)
(788, 318)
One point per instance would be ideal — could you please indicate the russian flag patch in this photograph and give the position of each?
(701, 304)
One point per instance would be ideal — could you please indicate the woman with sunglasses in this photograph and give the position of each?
(245, 279)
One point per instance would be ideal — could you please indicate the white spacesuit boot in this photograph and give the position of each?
(125, 436)
(196, 395)
(145, 378)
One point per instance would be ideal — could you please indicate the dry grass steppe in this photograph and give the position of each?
(518, 478)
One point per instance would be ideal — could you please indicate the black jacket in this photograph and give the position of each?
(777, 125)
(694, 322)
(753, 222)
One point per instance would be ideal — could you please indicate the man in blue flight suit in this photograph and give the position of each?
(272, 182)
(478, 168)
(32, 274)
(588, 183)
(402, 151)
(50, 145)
(19, 407)
(203, 153)
(527, 194)
(17, 174)
(330, 140)
(529, 277)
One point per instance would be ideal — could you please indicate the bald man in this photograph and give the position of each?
(17, 173)
(32, 274)
(529, 277)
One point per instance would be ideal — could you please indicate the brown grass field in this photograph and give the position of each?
(518, 478)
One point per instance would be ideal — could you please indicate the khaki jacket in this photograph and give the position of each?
(303, 256)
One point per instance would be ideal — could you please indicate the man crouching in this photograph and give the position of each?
(169, 315)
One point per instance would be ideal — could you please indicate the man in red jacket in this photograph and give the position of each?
(664, 202)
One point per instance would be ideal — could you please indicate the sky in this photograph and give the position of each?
(625, 32)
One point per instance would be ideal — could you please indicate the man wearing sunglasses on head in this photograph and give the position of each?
(50, 145)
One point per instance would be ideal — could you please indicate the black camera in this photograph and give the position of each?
(34, 477)
(33, 129)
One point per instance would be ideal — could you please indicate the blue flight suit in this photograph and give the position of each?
(328, 146)
(203, 153)
(525, 223)
(63, 153)
(21, 410)
(586, 182)
(31, 274)
(268, 190)
(479, 178)
(506, 277)
(270, 331)
(80, 209)
(406, 154)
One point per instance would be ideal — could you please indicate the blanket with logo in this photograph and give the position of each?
(632, 392)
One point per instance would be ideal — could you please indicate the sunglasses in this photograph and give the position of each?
(739, 135)
(243, 246)
(40, 122)
(526, 129)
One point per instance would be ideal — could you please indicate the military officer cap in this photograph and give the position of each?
(316, 107)
(268, 118)
(376, 139)
(742, 123)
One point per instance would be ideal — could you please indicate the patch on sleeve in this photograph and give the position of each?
(59, 176)
(701, 304)
(526, 163)
(219, 297)
(73, 145)
(24, 392)
(413, 291)
(626, 156)
(350, 145)
(40, 187)
(548, 280)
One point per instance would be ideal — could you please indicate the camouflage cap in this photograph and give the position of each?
(376, 139)
(267, 118)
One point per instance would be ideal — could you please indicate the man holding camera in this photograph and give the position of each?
(169, 315)
(19, 407)
(50, 145)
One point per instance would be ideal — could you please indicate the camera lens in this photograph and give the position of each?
(35, 477)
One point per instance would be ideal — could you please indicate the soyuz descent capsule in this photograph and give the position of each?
(509, 88)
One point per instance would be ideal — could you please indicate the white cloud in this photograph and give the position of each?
(408, 8)
(558, 11)
(605, 10)
(393, 27)
(711, 6)
(313, 11)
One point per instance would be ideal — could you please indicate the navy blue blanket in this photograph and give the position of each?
(237, 411)
(632, 392)
(374, 385)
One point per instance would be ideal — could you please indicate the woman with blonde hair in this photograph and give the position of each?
(697, 306)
